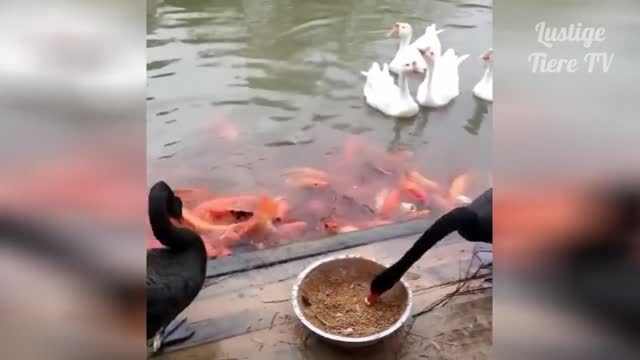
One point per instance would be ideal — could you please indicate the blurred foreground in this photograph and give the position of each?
(72, 189)
(74, 156)
(567, 178)
(568, 264)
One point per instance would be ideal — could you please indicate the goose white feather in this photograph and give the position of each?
(442, 84)
(484, 87)
(407, 52)
(383, 94)
(429, 40)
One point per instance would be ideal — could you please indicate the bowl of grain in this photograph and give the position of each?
(329, 299)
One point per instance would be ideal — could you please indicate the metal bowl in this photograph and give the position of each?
(344, 341)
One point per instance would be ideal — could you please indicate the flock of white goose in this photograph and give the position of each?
(423, 56)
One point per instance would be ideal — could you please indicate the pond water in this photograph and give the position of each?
(281, 79)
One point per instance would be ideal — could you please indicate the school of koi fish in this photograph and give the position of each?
(365, 188)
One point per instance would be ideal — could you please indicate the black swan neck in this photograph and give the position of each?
(450, 222)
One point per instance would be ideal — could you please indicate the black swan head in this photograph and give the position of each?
(164, 205)
(162, 199)
(174, 207)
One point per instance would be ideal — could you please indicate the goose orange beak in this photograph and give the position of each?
(395, 30)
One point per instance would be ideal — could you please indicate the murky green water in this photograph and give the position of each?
(286, 73)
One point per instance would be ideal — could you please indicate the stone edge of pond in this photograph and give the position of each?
(308, 248)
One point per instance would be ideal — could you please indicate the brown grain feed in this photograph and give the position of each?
(332, 298)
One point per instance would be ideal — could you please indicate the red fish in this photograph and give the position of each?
(283, 210)
(307, 182)
(458, 186)
(235, 202)
(291, 230)
(262, 221)
(421, 180)
(307, 172)
(413, 189)
(317, 207)
(201, 225)
(195, 195)
(390, 204)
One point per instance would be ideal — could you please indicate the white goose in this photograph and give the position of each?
(406, 51)
(452, 62)
(484, 87)
(429, 40)
(442, 84)
(382, 94)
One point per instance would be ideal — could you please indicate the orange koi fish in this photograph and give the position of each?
(307, 182)
(421, 180)
(458, 186)
(307, 172)
(306, 177)
(200, 225)
(330, 227)
(223, 216)
(236, 202)
(262, 221)
(291, 230)
(317, 207)
(413, 189)
(443, 202)
(388, 202)
(347, 228)
(283, 210)
(193, 194)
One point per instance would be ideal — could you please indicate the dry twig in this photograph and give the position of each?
(459, 290)
(273, 320)
(274, 301)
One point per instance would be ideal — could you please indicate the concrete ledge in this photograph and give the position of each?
(304, 249)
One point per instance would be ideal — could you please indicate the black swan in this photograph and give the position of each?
(176, 273)
(473, 222)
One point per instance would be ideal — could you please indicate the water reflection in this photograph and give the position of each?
(285, 73)
(475, 122)
(396, 143)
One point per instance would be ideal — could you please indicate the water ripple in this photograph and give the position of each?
(273, 66)
(159, 64)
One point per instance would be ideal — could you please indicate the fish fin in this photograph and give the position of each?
(200, 225)
(266, 209)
